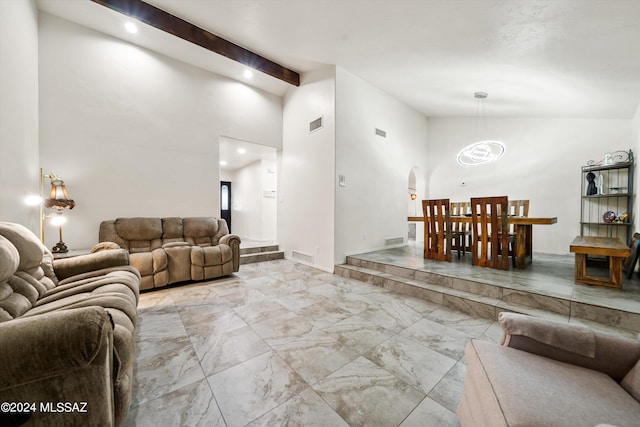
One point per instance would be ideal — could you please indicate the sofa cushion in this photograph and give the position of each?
(139, 228)
(68, 267)
(171, 230)
(204, 231)
(31, 250)
(10, 259)
(142, 234)
(516, 388)
(152, 267)
(631, 381)
(19, 290)
(111, 295)
(35, 259)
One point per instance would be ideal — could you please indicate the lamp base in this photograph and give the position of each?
(60, 248)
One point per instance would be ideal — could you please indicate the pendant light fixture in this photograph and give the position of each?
(483, 150)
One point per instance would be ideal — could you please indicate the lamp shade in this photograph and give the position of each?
(58, 197)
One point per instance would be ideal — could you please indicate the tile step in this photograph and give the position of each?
(261, 256)
(258, 249)
(484, 306)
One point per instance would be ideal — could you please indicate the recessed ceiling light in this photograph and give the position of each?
(247, 74)
(131, 27)
(223, 163)
(241, 151)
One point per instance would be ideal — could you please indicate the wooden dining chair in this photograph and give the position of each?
(519, 207)
(461, 231)
(489, 243)
(516, 208)
(437, 229)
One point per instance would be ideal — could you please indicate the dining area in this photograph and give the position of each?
(495, 231)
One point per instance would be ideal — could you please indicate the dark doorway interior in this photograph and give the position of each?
(225, 202)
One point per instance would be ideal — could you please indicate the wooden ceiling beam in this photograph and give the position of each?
(178, 27)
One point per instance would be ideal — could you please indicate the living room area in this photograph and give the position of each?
(137, 124)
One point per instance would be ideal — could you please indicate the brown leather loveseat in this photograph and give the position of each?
(172, 250)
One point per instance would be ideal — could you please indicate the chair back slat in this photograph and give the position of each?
(518, 208)
(437, 229)
(489, 243)
(460, 209)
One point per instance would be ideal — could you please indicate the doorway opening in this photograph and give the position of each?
(251, 170)
(225, 202)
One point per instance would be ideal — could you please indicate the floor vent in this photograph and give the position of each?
(302, 257)
(381, 133)
(315, 125)
(393, 241)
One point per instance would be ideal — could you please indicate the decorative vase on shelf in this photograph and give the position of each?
(609, 217)
(591, 188)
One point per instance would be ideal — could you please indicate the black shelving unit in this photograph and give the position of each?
(612, 180)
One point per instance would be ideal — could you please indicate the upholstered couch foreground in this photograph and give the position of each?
(66, 333)
(551, 374)
(172, 250)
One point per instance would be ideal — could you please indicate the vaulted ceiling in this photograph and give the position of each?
(535, 58)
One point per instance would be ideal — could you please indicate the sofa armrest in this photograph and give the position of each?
(570, 343)
(48, 345)
(67, 267)
(65, 356)
(233, 241)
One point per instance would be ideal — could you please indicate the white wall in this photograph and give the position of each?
(635, 146)
(269, 204)
(19, 169)
(253, 215)
(306, 170)
(373, 205)
(542, 163)
(135, 133)
(245, 204)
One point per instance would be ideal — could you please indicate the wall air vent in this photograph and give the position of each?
(389, 241)
(381, 133)
(315, 125)
(302, 257)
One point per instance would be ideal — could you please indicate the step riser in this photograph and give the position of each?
(530, 300)
(434, 296)
(478, 299)
(261, 257)
(258, 249)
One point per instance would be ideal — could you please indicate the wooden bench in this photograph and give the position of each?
(610, 247)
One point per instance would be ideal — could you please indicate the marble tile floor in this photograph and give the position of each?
(549, 277)
(281, 343)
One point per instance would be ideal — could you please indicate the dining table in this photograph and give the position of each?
(524, 233)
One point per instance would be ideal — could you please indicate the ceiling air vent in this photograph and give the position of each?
(381, 133)
(315, 125)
